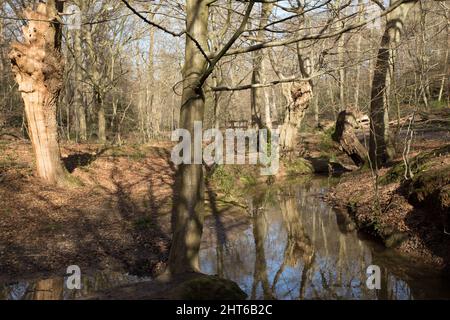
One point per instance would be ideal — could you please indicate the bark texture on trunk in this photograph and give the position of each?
(381, 150)
(100, 106)
(78, 83)
(96, 82)
(346, 137)
(38, 68)
(259, 100)
(301, 94)
(189, 197)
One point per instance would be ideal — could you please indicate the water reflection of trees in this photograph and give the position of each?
(54, 289)
(260, 274)
(296, 248)
(300, 248)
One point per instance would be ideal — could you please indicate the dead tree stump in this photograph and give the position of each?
(344, 134)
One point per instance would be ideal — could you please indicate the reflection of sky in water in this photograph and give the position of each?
(338, 267)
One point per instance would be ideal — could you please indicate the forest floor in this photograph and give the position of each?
(116, 216)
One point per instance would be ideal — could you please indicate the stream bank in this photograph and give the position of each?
(409, 214)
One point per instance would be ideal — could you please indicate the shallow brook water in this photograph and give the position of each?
(296, 246)
(287, 244)
(55, 288)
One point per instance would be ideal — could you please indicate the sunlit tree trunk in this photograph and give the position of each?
(358, 55)
(189, 202)
(259, 99)
(381, 149)
(301, 94)
(78, 83)
(342, 72)
(38, 68)
(151, 115)
(97, 92)
(1, 49)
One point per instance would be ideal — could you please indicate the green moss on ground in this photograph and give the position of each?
(430, 188)
(298, 166)
(209, 288)
(419, 163)
(327, 146)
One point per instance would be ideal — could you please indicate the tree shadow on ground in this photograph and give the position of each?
(81, 159)
(428, 225)
(119, 222)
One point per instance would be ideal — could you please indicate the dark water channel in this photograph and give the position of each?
(296, 246)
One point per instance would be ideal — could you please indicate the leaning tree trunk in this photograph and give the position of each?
(189, 202)
(38, 68)
(346, 137)
(301, 93)
(381, 150)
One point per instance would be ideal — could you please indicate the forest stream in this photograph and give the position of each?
(291, 245)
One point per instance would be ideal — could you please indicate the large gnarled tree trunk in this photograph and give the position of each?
(381, 150)
(38, 68)
(189, 202)
(301, 94)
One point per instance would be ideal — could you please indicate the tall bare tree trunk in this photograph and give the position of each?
(189, 203)
(446, 70)
(101, 121)
(1, 49)
(38, 68)
(358, 55)
(342, 72)
(381, 149)
(78, 93)
(258, 99)
(150, 87)
(97, 90)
